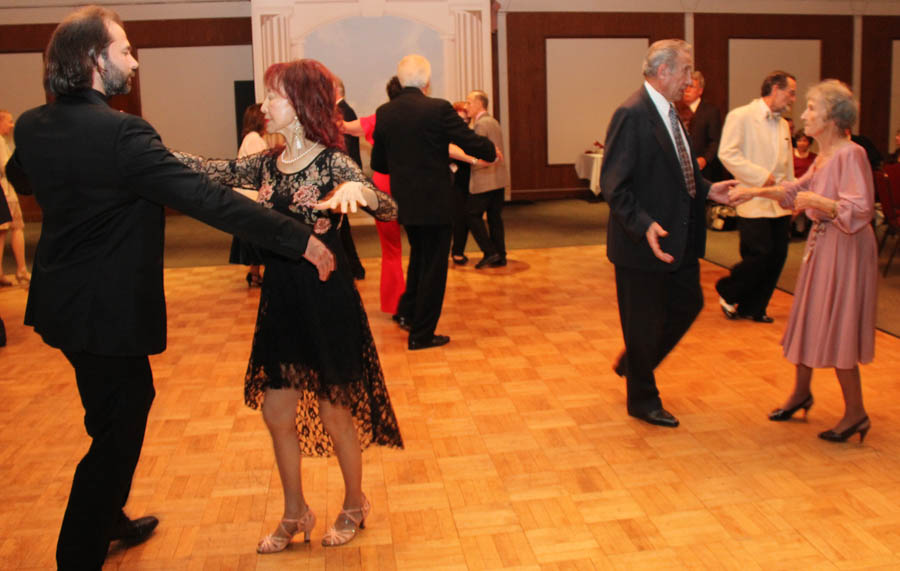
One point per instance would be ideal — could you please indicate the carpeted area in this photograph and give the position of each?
(529, 225)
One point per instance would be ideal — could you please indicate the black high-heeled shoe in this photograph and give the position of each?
(780, 414)
(832, 436)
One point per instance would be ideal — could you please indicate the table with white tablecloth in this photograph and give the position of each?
(587, 166)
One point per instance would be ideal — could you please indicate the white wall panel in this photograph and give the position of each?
(750, 61)
(22, 87)
(188, 95)
(895, 95)
(587, 78)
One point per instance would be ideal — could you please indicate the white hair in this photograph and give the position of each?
(414, 71)
(664, 52)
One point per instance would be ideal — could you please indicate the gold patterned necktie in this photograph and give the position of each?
(683, 157)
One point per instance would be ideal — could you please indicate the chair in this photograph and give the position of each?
(887, 189)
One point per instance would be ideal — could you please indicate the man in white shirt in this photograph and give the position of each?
(756, 148)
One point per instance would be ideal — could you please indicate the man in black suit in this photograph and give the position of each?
(352, 144)
(656, 233)
(704, 127)
(412, 137)
(101, 178)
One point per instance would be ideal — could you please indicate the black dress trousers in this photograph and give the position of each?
(426, 279)
(116, 393)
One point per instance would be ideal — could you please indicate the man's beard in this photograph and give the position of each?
(115, 81)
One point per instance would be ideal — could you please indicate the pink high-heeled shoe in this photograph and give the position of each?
(354, 519)
(273, 543)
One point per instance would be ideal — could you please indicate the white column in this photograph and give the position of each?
(271, 44)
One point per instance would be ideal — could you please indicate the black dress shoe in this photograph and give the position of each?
(659, 417)
(759, 318)
(435, 341)
(488, 261)
(619, 365)
(359, 273)
(728, 309)
(460, 259)
(401, 321)
(499, 264)
(134, 531)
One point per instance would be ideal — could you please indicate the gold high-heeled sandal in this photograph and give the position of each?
(274, 543)
(23, 276)
(355, 517)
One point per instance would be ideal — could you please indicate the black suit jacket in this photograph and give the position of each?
(351, 142)
(643, 183)
(101, 178)
(412, 136)
(706, 130)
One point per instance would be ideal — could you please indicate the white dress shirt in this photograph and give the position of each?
(662, 106)
(756, 143)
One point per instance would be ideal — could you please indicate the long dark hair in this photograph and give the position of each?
(254, 120)
(309, 86)
(75, 46)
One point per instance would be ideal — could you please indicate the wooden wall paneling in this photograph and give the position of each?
(527, 32)
(877, 62)
(712, 32)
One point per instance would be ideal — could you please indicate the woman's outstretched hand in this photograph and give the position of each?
(347, 197)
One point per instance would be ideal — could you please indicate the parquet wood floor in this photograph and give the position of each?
(518, 454)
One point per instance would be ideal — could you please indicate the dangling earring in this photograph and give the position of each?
(298, 135)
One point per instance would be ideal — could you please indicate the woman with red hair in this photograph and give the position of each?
(313, 365)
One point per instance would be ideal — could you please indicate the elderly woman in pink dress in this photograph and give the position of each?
(832, 321)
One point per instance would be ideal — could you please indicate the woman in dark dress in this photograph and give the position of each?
(313, 365)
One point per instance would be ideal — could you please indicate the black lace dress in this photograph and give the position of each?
(311, 335)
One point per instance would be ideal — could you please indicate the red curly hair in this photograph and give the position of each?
(309, 86)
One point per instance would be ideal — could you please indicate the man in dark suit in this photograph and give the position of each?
(704, 127)
(101, 178)
(352, 144)
(412, 137)
(656, 233)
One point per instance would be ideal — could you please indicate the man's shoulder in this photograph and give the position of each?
(743, 111)
(488, 120)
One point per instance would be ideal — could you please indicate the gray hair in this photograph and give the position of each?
(840, 106)
(698, 77)
(664, 52)
(414, 71)
(481, 96)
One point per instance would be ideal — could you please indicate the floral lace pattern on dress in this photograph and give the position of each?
(310, 334)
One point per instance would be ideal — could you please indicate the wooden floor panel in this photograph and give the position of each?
(518, 454)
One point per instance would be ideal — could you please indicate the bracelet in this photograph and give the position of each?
(474, 160)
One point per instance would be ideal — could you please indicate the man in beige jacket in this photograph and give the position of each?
(487, 185)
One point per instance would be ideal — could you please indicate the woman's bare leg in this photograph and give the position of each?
(802, 387)
(851, 387)
(341, 427)
(279, 411)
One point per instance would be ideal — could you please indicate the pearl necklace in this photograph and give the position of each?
(298, 157)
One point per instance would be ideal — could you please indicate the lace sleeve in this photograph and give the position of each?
(344, 169)
(245, 172)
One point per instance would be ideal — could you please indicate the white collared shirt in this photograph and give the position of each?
(662, 106)
(695, 105)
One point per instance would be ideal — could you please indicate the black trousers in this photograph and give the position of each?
(116, 393)
(460, 225)
(764, 246)
(426, 279)
(493, 242)
(656, 309)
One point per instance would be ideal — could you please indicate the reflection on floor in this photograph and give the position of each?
(519, 452)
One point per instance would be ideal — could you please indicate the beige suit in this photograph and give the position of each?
(490, 176)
